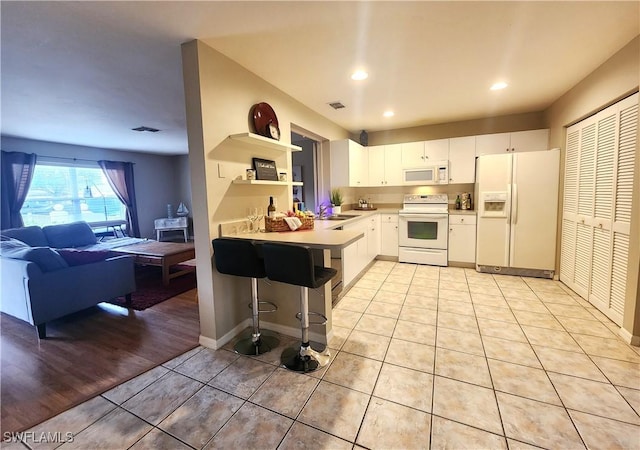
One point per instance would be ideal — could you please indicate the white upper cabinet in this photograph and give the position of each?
(349, 164)
(412, 154)
(384, 165)
(424, 153)
(437, 150)
(462, 160)
(519, 141)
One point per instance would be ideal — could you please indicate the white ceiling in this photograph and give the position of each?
(87, 72)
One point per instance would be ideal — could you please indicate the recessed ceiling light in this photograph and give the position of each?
(359, 75)
(388, 114)
(499, 85)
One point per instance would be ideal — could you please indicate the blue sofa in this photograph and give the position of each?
(50, 272)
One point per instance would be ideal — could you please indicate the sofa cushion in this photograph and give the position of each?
(75, 257)
(32, 235)
(76, 234)
(46, 258)
(7, 243)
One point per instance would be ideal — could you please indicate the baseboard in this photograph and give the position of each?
(629, 338)
(295, 332)
(220, 342)
(282, 329)
(208, 342)
(465, 265)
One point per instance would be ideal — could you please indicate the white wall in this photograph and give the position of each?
(219, 95)
(158, 180)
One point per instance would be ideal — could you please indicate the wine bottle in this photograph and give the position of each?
(271, 209)
(458, 202)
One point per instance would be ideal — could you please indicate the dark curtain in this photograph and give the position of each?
(120, 177)
(17, 171)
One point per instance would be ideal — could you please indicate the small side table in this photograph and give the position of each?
(173, 224)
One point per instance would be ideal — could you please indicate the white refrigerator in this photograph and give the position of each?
(517, 203)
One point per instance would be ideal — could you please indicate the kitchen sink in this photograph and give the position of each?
(339, 217)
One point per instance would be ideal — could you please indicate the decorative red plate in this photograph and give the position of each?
(263, 116)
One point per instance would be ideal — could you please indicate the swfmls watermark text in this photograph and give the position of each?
(32, 437)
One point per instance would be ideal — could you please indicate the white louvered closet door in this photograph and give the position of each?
(570, 206)
(625, 159)
(584, 217)
(598, 183)
(606, 142)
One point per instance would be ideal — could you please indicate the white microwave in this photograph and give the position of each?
(435, 173)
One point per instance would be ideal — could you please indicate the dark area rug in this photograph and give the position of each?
(150, 290)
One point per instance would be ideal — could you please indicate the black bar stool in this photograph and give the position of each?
(241, 258)
(293, 264)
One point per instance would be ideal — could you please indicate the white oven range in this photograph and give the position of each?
(423, 225)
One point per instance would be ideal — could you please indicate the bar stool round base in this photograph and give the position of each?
(263, 345)
(304, 359)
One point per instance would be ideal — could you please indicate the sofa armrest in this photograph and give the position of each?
(15, 299)
(56, 294)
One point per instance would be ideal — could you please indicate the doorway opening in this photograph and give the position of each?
(304, 169)
(311, 166)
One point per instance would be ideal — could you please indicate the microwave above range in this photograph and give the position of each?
(435, 173)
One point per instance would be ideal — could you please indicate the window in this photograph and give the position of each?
(64, 193)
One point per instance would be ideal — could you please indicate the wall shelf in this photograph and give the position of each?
(261, 141)
(268, 183)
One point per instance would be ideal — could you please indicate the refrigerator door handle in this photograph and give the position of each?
(509, 228)
(507, 206)
(514, 203)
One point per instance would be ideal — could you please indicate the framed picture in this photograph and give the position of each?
(265, 169)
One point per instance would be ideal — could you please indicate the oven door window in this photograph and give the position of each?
(424, 231)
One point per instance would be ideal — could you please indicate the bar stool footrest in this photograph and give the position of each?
(274, 307)
(311, 313)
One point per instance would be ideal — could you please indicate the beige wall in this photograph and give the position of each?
(156, 177)
(219, 95)
(615, 79)
(502, 124)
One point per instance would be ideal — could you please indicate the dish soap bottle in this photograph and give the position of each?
(458, 202)
(271, 209)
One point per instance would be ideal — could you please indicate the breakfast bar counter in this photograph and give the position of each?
(321, 239)
(286, 296)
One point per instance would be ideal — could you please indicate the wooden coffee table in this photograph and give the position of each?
(161, 254)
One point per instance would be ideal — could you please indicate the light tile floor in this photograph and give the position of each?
(423, 357)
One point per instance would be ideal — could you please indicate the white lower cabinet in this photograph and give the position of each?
(373, 238)
(462, 238)
(355, 257)
(389, 234)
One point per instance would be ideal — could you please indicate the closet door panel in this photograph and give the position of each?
(568, 252)
(600, 285)
(625, 164)
(586, 177)
(582, 276)
(618, 276)
(605, 167)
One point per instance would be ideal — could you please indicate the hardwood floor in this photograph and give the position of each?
(86, 354)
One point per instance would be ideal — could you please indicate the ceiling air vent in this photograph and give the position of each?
(149, 129)
(336, 105)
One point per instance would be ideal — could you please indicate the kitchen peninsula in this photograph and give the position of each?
(287, 296)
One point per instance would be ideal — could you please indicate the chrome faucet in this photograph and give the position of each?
(322, 211)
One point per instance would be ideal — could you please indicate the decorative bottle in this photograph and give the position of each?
(271, 209)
